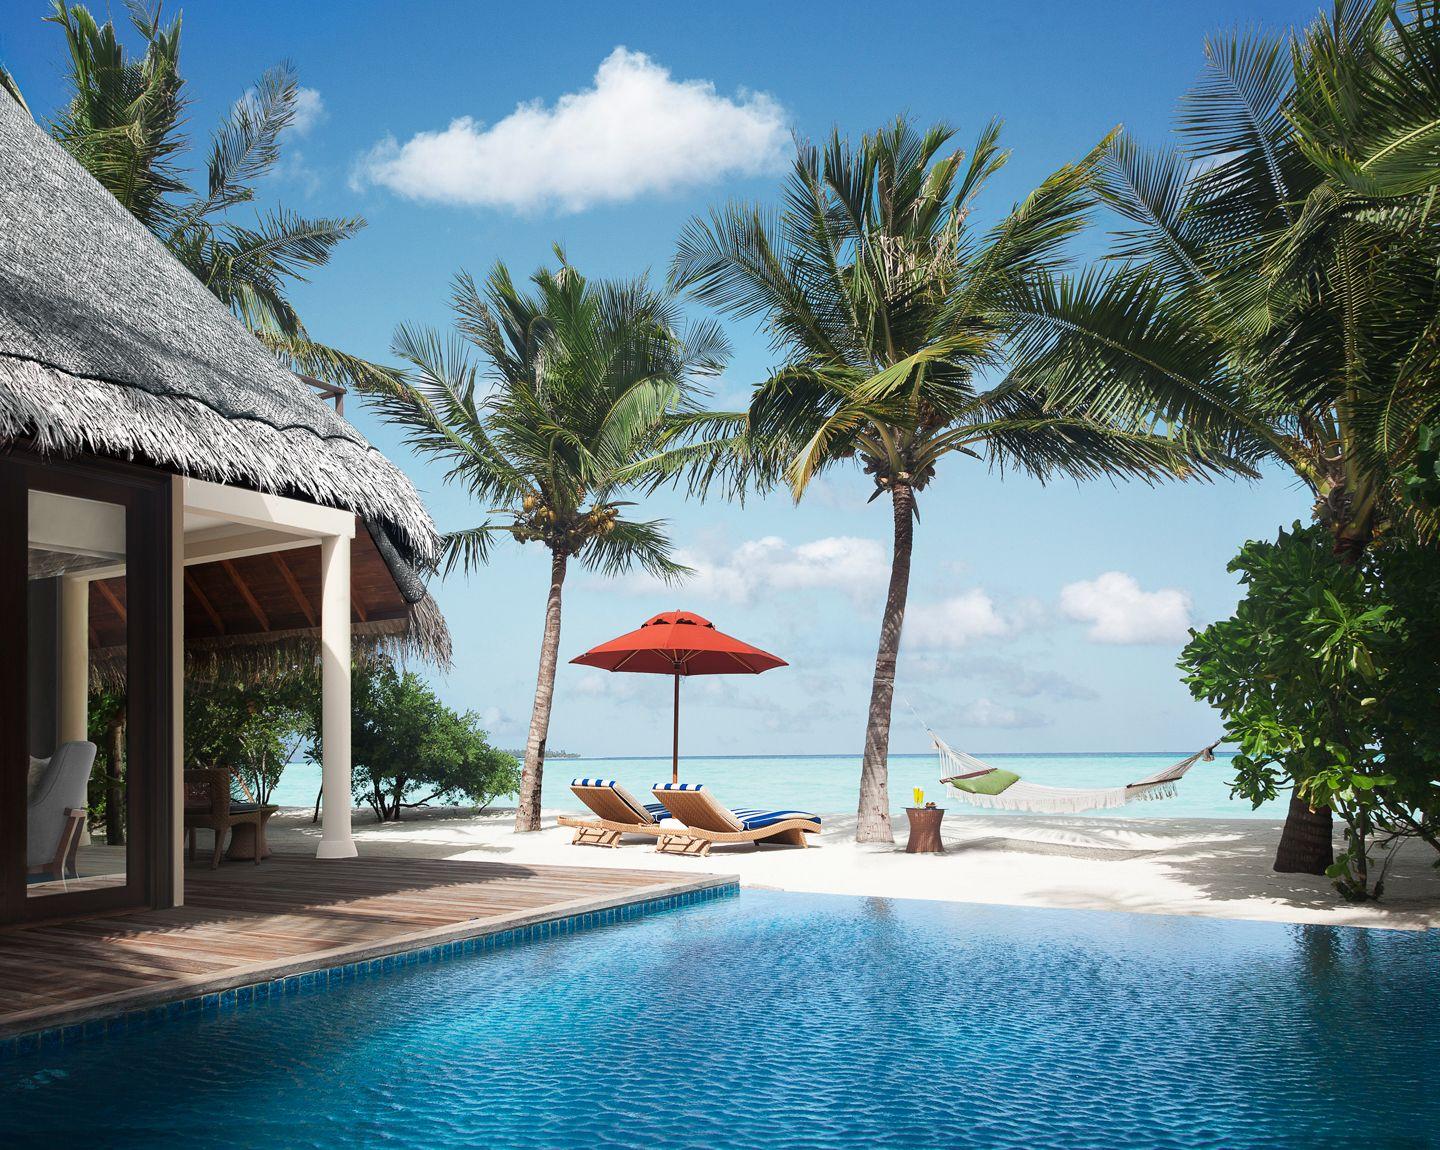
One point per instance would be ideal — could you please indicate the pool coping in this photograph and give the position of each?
(143, 1007)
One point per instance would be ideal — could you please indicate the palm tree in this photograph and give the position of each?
(890, 309)
(579, 387)
(1275, 280)
(123, 123)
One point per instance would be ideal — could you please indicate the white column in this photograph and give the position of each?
(74, 717)
(73, 720)
(336, 841)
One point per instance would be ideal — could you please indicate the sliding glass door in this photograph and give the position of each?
(85, 774)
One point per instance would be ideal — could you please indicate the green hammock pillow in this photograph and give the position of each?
(990, 783)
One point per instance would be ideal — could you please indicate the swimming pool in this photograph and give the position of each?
(799, 1020)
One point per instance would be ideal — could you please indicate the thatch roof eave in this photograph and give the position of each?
(423, 636)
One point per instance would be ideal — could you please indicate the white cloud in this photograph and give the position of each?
(758, 704)
(846, 563)
(845, 491)
(294, 168)
(309, 111)
(596, 684)
(953, 622)
(1118, 611)
(984, 712)
(498, 721)
(994, 671)
(636, 131)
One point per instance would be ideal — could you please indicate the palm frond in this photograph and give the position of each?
(306, 356)
(1152, 190)
(887, 305)
(122, 117)
(633, 544)
(468, 550)
(246, 145)
(1233, 126)
(287, 244)
(578, 395)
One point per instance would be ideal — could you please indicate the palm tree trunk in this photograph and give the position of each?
(1306, 846)
(874, 815)
(527, 817)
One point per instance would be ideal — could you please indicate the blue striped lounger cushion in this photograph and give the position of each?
(654, 811)
(753, 820)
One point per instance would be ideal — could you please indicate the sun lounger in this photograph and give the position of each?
(619, 813)
(707, 822)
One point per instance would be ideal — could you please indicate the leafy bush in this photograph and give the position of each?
(1326, 676)
(254, 728)
(1422, 480)
(408, 748)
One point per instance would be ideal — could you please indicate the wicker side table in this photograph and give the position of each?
(246, 837)
(925, 830)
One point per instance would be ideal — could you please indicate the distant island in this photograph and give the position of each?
(519, 753)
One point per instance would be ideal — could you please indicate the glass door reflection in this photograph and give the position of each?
(77, 790)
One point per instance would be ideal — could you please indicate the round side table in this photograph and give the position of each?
(246, 837)
(925, 830)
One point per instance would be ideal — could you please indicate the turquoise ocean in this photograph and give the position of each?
(827, 784)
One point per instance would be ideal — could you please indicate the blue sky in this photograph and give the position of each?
(1042, 618)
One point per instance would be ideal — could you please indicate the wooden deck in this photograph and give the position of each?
(243, 924)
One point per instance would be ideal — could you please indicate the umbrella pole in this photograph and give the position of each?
(675, 743)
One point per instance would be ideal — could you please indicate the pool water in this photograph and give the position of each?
(800, 1021)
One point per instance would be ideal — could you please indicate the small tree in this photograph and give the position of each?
(1327, 678)
(406, 743)
(253, 728)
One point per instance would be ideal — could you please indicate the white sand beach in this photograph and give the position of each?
(1217, 868)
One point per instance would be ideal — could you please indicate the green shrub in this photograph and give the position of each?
(1327, 678)
(408, 748)
(254, 727)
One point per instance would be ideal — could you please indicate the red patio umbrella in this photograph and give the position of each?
(679, 644)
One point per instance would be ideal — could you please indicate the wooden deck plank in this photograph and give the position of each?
(245, 924)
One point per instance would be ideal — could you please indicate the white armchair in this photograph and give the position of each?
(56, 812)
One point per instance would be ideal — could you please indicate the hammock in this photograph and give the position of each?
(973, 781)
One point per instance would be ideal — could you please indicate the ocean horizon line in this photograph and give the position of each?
(857, 754)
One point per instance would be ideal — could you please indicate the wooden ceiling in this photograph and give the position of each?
(259, 594)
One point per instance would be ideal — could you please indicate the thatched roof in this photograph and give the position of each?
(109, 346)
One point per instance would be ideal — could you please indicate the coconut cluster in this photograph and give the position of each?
(537, 522)
(880, 469)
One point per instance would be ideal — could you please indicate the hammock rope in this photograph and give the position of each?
(974, 781)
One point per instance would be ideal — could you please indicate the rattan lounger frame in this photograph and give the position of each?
(697, 808)
(614, 818)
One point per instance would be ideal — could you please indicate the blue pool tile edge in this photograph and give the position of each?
(212, 1003)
